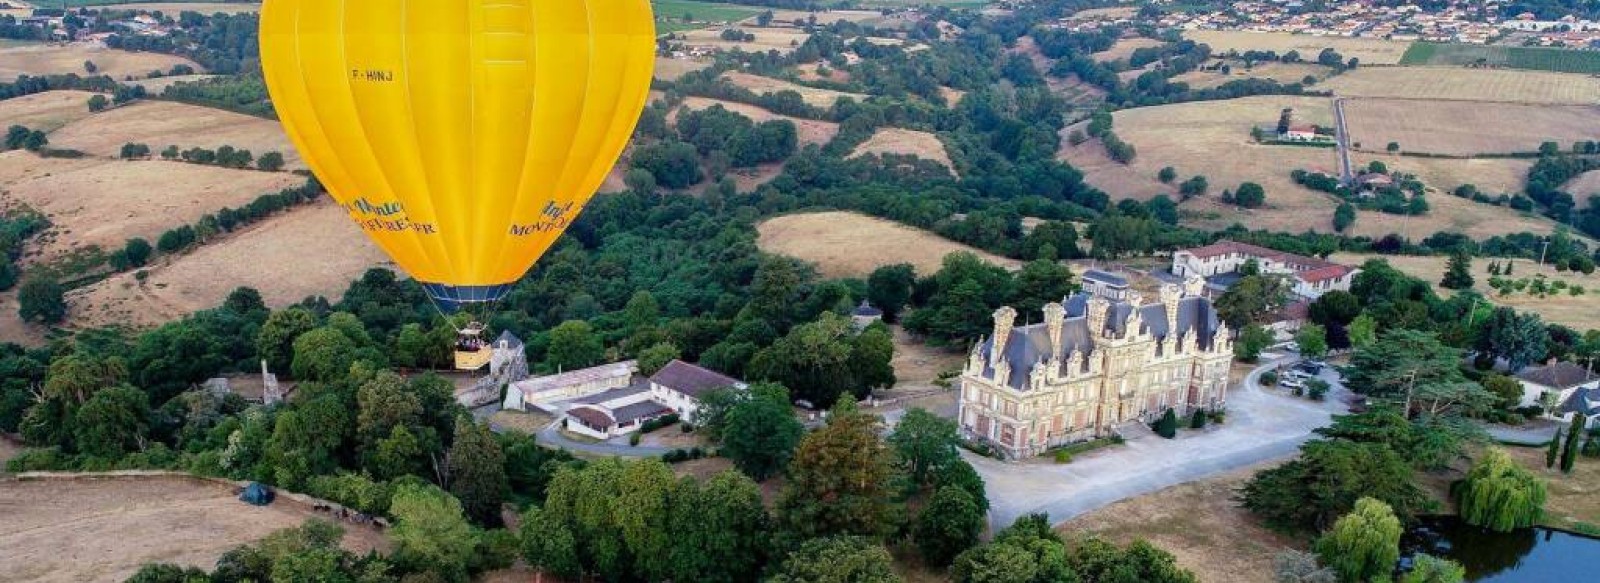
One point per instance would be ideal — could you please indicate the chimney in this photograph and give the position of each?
(1098, 307)
(1004, 319)
(1194, 286)
(1170, 295)
(1054, 317)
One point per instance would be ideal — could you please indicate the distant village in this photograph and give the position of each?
(1463, 22)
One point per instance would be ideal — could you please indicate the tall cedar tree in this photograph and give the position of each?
(1458, 275)
(1569, 451)
(1554, 451)
(839, 479)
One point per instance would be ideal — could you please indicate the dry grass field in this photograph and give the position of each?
(902, 141)
(105, 202)
(311, 250)
(1573, 497)
(1447, 213)
(783, 40)
(47, 111)
(1495, 175)
(810, 131)
(1199, 523)
(1280, 72)
(1579, 312)
(813, 72)
(159, 84)
(63, 59)
(826, 17)
(1583, 186)
(1212, 138)
(159, 124)
(813, 96)
(1532, 87)
(845, 244)
(1124, 48)
(104, 529)
(671, 69)
(1435, 126)
(1370, 51)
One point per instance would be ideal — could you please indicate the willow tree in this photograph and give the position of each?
(1500, 495)
(1364, 544)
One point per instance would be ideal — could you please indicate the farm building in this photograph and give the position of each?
(1300, 133)
(1311, 277)
(534, 392)
(676, 388)
(680, 385)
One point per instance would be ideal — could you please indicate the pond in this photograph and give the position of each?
(1528, 555)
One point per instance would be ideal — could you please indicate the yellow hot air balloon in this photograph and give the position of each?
(463, 136)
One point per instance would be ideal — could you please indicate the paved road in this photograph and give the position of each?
(1536, 432)
(1342, 137)
(1261, 426)
(551, 436)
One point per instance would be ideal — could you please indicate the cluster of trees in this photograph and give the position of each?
(223, 44)
(16, 226)
(225, 156)
(21, 138)
(954, 306)
(245, 94)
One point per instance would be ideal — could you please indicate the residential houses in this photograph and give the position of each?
(1563, 389)
(612, 399)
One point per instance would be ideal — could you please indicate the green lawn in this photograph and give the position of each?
(670, 14)
(1533, 58)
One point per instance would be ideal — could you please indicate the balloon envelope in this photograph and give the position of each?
(463, 136)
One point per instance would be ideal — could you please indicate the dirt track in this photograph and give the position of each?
(103, 530)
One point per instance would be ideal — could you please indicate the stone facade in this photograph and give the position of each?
(1092, 366)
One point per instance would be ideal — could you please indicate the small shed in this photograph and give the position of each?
(256, 494)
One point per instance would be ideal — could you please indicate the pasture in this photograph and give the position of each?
(310, 250)
(104, 529)
(902, 141)
(1457, 83)
(173, 8)
(1435, 127)
(1370, 51)
(157, 85)
(1578, 312)
(783, 40)
(813, 96)
(1531, 58)
(47, 111)
(1584, 186)
(825, 17)
(1124, 48)
(810, 131)
(159, 124)
(681, 15)
(846, 244)
(70, 58)
(92, 201)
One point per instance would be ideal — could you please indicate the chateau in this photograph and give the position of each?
(1093, 365)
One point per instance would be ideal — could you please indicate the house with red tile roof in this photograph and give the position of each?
(1310, 277)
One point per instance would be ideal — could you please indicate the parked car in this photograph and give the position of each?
(1292, 383)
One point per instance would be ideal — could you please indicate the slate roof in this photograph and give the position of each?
(614, 394)
(511, 340)
(1560, 375)
(640, 410)
(689, 379)
(1028, 345)
(1584, 402)
(866, 310)
(1105, 277)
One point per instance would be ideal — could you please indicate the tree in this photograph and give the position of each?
(1096, 559)
(1426, 568)
(1458, 273)
(1500, 495)
(113, 422)
(1167, 425)
(889, 289)
(1313, 341)
(1028, 551)
(323, 354)
(1569, 451)
(1251, 299)
(1392, 147)
(947, 526)
(674, 164)
(815, 360)
(1167, 174)
(721, 530)
(1344, 216)
(430, 533)
(1416, 368)
(759, 433)
(547, 545)
(871, 359)
(1364, 544)
(925, 443)
(1041, 282)
(837, 559)
(839, 479)
(573, 345)
(275, 341)
(1194, 186)
(1198, 420)
(656, 356)
(1552, 452)
(1293, 566)
(42, 299)
(35, 141)
(1250, 195)
(270, 162)
(1308, 493)
(1363, 331)
(1252, 340)
(98, 103)
(1518, 338)
(478, 472)
(1507, 389)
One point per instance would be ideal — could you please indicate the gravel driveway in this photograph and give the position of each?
(1261, 425)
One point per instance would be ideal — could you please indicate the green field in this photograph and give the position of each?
(670, 14)
(904, 3)
(1532, 58)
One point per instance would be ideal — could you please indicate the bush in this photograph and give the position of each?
(1269, 378)
(1167, 426)
(659, 422)
(1065, 457)
(1317, 389)
(1198, 421)
(633, 439)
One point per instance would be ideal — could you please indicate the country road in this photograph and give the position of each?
(1346, 176)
